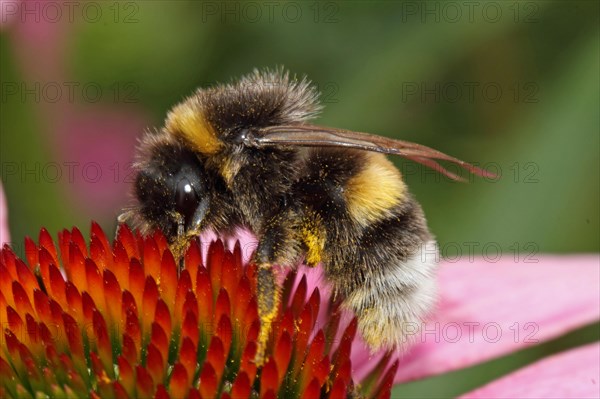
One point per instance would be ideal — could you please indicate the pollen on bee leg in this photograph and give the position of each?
(313, 237)
(269, 298)
(178, 249)
(182, 240)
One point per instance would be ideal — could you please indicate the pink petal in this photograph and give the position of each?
(490, 309)
(248, 242)
(571, 374)
(4, 233)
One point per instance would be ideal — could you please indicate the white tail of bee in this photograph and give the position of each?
(392, 305)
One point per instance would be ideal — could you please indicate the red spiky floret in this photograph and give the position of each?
(126, 320)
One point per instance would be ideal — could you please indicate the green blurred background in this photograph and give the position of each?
(513, 86)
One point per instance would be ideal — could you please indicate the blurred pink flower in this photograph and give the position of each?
(98, 142)
(9, 11)
(90, 136)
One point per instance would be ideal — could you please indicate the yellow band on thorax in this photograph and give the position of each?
(188, 122)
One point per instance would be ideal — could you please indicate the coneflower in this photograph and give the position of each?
(124, 320)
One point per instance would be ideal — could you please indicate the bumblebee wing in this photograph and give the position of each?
(318, 136)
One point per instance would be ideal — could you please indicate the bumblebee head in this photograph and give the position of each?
(171, 188)
(217, 120)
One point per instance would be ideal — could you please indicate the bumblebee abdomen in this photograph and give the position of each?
(373, 240)
(388, 279)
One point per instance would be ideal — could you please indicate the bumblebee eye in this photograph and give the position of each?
(186, 199)
(240, 136)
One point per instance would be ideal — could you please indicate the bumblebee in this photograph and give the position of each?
(243, 155)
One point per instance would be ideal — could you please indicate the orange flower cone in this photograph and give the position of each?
(126, 321)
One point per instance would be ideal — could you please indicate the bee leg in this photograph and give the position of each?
(278, 246)
(180, 242)
(268, 305)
